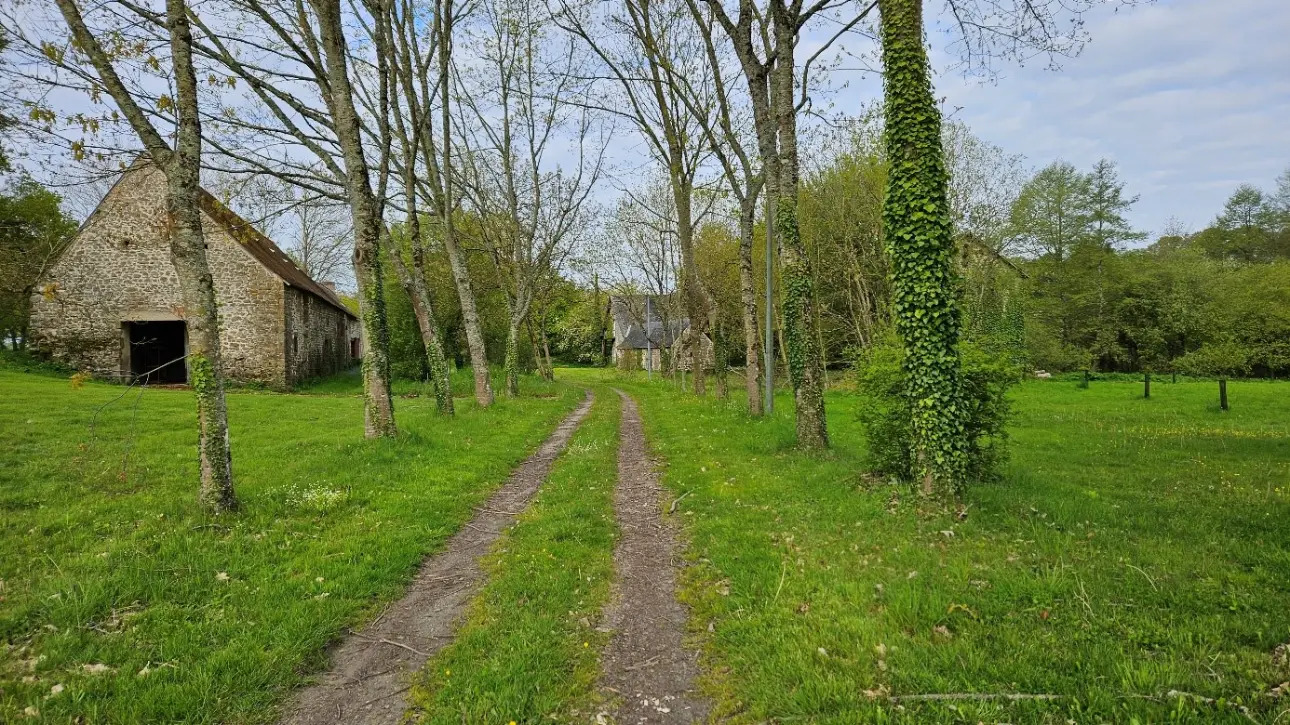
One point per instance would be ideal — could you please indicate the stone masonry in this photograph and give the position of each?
(117, 270)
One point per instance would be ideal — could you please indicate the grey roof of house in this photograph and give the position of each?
(631, 312)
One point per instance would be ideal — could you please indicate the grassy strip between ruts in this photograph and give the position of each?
(121, 602)
(529, 650)
(1134, 563)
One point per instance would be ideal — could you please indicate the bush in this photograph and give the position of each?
(885, 410)
(1226, 359)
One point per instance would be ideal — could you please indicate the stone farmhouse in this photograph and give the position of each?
(111, 304)
(645, 327)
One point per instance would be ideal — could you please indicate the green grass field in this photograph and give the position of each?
(120, 602)
(1134, 564)
(1136, 547)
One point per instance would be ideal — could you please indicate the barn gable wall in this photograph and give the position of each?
(318, 337)
(118, 269)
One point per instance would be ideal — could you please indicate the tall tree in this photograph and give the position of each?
(744, 178)
(1107, 204)
(765, 42)
(1051, 216)
(446, 19)
(182, 168)
(920, 242)
(5, 121)
(647, 46)
(523, 98)
(378, 406)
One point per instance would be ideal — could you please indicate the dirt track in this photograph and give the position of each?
(646, 670)
(370, 670)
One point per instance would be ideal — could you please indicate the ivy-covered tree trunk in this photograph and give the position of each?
(748, 301)
(413, 282)
(197, 286)
(182, 169)
(378, 403)
(920, 244)
(802, 350)
(512, 364)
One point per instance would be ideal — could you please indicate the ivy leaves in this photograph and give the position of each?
(916, 215)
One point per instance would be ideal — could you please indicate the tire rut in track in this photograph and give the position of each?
(645, 668)
(370, 670)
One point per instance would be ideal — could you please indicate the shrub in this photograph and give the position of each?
(885, 410)
(1226, 359)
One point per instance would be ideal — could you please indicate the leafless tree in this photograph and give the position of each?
(642, 45)
(315, 231)
(521, 100)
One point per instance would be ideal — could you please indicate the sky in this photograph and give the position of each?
(1190, 97)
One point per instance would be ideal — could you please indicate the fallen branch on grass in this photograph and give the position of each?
(672, 509)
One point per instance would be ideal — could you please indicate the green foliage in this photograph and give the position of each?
(920, 247)
(1223, 359)
(886, 411)
(33, 233)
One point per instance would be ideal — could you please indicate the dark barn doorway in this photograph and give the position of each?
(157, 352)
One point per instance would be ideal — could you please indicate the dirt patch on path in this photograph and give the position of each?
(370, 669)
(645, 667)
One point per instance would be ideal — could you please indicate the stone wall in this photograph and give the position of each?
(118, 269)
(318, 337)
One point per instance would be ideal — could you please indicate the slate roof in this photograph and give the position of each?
(266, 252)
(629, 314)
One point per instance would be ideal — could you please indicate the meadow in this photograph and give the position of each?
(121, 602)
(1132, 565)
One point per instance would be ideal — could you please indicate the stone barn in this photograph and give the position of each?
(111, 304)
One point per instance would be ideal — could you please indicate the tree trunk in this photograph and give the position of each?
(413, 282)
(719, 359)
(600, 319)
(748, 298)
(697, 306)
(513, 358)
(456, 260)
(378, 403)
(916, 216)
(197, 286)
(797, 280)
(182, 169)
(549, 370)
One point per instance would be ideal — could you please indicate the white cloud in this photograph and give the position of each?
(1190, 97)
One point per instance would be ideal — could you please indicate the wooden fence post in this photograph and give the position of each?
(1146, 385)
(1222, 394)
